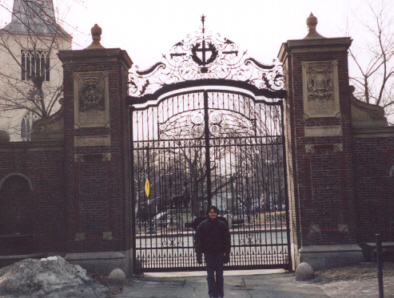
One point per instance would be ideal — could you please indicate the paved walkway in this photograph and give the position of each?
(250, 284)
(359, 288)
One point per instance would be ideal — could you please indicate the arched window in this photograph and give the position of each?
(27, 124)
(16, 207)
(17, 215)
(35, 63)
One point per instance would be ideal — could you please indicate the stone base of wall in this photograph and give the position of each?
(328, 256)
(103, 262)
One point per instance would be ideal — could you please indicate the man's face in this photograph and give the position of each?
(212, 214)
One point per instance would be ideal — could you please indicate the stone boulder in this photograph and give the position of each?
(117, 277)
(51, 277)
(304, 272)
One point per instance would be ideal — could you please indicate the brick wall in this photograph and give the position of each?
(38, 212)
(374, 187)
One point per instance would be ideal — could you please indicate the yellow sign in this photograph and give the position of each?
(147, 187)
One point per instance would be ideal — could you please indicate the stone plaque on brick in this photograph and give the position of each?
(91, 99)
(320, 89)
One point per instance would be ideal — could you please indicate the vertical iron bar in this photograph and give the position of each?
(269, 181)
(133, 230)
(380, 264)
(207, 155)
(148, 175)
(278, 184)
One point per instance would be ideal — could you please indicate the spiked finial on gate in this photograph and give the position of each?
(203, 21)
(96, 36)
(311, 23)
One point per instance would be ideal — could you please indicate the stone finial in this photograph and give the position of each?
(96, 36)
(311, 23)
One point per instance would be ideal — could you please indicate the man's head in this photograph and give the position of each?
(213, 212)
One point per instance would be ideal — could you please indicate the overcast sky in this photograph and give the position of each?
(148, 28)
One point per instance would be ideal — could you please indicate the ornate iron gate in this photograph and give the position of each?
(202, 142)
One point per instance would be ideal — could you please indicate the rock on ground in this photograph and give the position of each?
(52, 277)
(304, 271)
(117, 277)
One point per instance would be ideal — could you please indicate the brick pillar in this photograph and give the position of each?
(319, 150)
(96, 158)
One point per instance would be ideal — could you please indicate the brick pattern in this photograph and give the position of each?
(40, 211)
(98, 200)
(374, 188)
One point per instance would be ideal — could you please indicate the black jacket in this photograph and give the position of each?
(212, 236)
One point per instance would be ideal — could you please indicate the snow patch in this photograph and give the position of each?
(49, 259)
(50, 277)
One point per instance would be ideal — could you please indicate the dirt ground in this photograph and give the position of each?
(361, 271)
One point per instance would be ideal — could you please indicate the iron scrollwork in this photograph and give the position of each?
(172, 242)
(183, 125)
(205, 55)
(249, 239)
(222, 122)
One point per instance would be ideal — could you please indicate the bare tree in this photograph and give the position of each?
(30, 73)
(245, 168)
(374, 61)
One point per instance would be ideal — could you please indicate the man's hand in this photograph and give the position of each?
(226, 258)
(199, 258)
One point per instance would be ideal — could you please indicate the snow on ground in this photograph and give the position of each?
(51, 277)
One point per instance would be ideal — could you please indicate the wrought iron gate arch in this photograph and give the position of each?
(208, 130)
(164, 153)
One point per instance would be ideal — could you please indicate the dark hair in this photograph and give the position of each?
(214, 208)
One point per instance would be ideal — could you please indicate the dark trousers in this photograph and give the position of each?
(214, 263)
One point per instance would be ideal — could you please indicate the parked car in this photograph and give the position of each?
(160, 220)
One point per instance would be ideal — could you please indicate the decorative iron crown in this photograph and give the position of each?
(205, 56)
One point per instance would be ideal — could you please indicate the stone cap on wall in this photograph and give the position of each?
(95, 56)
(368, 120)
(366, 115)
(313, 45)
(49, 128)
(4, 136)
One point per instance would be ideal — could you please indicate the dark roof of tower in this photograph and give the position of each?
(34, 17)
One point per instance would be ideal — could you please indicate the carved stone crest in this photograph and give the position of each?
(321, 97)
(91, 95)
(91, 99)
(320, 85)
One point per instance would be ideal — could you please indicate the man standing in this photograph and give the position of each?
(213, 239)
